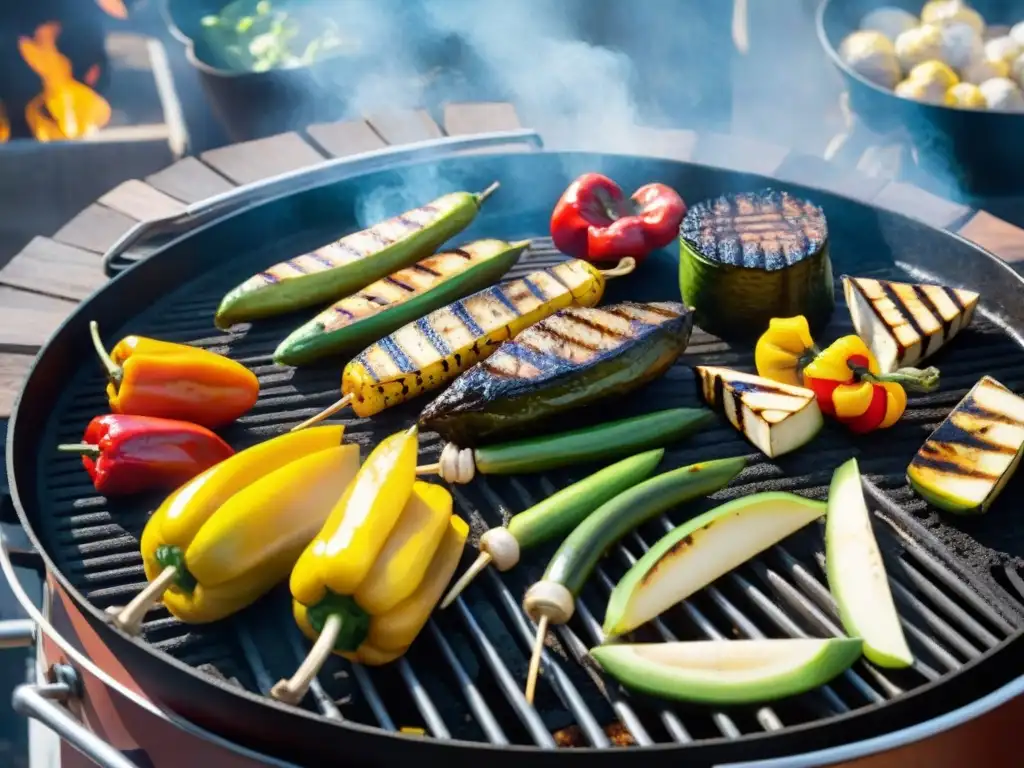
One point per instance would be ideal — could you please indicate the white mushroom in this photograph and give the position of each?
(1017, 33)
(960, 45)
(1003, 94)
(871, 54)
(981, 69)
(917, 45)
(1003, 49)
(890, 21)
(944, 12)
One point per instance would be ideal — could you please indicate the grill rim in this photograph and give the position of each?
(22, 455)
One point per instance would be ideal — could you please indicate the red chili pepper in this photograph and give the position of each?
(128, 454)
(594, 220)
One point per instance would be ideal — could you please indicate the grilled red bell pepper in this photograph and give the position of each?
(849, 385)
(595, 221)
(128, 454)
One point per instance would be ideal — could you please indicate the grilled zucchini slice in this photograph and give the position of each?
(747, 258)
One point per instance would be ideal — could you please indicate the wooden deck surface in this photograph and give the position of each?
(43, 283)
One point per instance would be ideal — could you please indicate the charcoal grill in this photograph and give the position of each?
(955, 582)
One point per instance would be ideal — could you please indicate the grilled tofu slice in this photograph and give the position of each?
(429, 352)
(574, 358)
(904, 323)
(776, 418)
(967, 461)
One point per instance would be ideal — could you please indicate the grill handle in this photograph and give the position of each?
(147, 236)
(46, 702)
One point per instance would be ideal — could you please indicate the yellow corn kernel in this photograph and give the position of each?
(401, 564)
(282, 511)
(342, 554)
(396, 629)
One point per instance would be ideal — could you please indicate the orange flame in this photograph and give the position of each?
(115, 8)
(5, 125)
(66, 109)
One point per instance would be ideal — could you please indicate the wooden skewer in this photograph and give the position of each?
(129, 619)
(534, 670)
(326, 413)
(292, 690)
(481, 562)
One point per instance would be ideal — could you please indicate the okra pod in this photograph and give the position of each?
(553, 598)
(555, 516)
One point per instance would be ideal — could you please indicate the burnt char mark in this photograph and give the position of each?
(404, 286)
(954, 297)
(462, 252)
(580, 318)
(338, 309)
(426, 270)
(924, 298)
(379, 238)
(378, 300)
(496, 293)
(410, 225)
(671, 553)
(972, 407)
(458, 310)
(269, 277)
(564, 339)
(364, 361)
(398, 357)
(525, 353)
(535, 289)
(439, 344)
(933, 457)
(769, 230)
(900, 347)
(349, 249)
(554, 276)
(656, 309)
(321, 259)
(894, 297)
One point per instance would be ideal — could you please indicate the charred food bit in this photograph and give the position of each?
(965, 463)
(776, 418)
(904, 323)
(747, 258)
(574, 358)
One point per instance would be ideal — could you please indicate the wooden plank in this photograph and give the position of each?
(52, 268)
(919, 204)
(348, 137)
(738, 153)
(95, 229)
(261, 159)
(1000, 237)
(28, 319)
(816, 172)
(189, 180)
(13, 370)
(462, 119)
(403, 126)
(140, 201)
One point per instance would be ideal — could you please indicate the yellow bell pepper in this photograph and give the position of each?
(206, 550)
(784, 350)
(367, 584)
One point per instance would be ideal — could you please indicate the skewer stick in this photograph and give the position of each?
(129, 619)
(481, 562)
(326, 413)
(429, 469)
(292, 690)
(481, 196)
(534, 670)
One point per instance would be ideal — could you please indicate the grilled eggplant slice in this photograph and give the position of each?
(903, 323)
(382, 307)
(429, 352)
(352, 262)
(776, 418)
(747, 258)
(965, 463)
(574, 358)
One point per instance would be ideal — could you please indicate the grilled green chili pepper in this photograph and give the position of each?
(553, 598)
(602, 442)
(358, 320)
(555, 516)
(352, 262)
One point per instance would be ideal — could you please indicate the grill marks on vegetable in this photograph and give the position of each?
(918, 318)
(356, 246)
(731, 392)
(406, 284)
(980, 438)
(575, 337)
(455, 337)
(768, 230)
